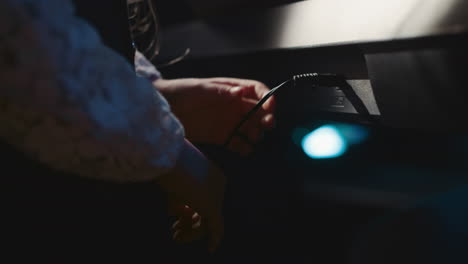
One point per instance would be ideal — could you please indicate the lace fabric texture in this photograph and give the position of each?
(76, 105)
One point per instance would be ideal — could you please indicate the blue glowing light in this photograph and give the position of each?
(353, 134)
(324, 143)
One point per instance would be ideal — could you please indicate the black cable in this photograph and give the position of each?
(315, 79)
(253, 111)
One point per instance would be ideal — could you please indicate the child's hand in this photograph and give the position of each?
(188, 226)
(198, 183)
(211, 108)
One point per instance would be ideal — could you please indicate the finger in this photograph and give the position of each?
(251, 130)
(261, 119)
(187, 228)
(236, 91)
(250, 89)
(230, 81)
(195, 232)
(260, 89)
(182, 224)
(187, 218)
(257, 91)
(197, 225)
(176, 225)
(177, 235)
(229, 91)
(268, 121)
(196, 217)
(247, 105)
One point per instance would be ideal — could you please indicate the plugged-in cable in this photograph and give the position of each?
(315, 80)
(253, 111)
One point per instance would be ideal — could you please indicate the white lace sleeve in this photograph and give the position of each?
(73, 103)
(145, 69)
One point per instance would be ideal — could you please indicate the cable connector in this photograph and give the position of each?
(319, 79)
(313, 79)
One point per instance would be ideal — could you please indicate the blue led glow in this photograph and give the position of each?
(354, 134)
(324, 143)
